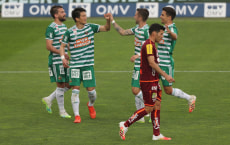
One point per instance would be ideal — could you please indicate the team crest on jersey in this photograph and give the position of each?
(74, 31)
(57, 28)
(161, 41)
(59, 77)
(137, 42)
(86, 33)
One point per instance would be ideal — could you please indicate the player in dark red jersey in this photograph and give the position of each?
(149, 82)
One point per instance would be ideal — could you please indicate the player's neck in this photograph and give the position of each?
(79, 25)
(169, 23)
(141, 24)
(57, 22)
(152, 39)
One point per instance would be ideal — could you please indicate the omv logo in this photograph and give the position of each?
(86, 6)
(12, 10)
(215, 9)
(152, 7)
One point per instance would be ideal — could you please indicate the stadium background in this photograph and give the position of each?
(201, 63)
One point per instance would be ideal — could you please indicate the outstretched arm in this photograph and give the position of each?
(121, 30)
(106, 27)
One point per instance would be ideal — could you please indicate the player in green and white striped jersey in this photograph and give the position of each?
(165, 51)
(141, 34)
(81, 41)
(57, 72)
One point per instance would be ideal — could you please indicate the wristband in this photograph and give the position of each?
(113, 21)
(139, 54)
(62, 57)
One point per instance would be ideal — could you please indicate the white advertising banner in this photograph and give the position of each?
(86, 6)
(12, 10)
(214, 10)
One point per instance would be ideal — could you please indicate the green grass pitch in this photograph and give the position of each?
(203, 45)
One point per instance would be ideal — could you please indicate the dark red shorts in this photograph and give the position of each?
(151, 92)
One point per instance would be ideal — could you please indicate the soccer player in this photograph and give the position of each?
(81, 40)
(141, 34)
(57, 72)
(149, 82)
(165, 50)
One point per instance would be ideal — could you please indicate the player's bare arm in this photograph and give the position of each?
(51, 48)
(134, 57)
(106, 27)
(62, 53)
(120, 30)
(158, 69)
(173, 35)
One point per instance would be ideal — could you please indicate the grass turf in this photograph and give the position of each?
(202, 46)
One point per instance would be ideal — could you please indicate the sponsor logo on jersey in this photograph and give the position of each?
(137, 42)
(82, 42)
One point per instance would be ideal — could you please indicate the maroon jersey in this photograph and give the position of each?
(147, 73)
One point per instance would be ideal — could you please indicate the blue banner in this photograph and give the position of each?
(228, 10)
(41, 10)
(185, 9)
(117, 10)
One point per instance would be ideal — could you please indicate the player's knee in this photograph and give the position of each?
(135, 90)
(168, 91)
(60, 85)
(90, 89)
(148, 109)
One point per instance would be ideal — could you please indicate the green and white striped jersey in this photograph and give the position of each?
(141, 34)
(55, 32)
(81, 44)
(166, 47)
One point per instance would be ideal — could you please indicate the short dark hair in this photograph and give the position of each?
(170, 12)
(144, 13)
(54, 10)
(76, 13)
(155, 27)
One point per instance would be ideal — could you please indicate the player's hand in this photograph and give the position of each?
(66, 56)
(167, 28)
(134, 57)
(65, 63)
(169, 79)
(107, 16)
(111, 18)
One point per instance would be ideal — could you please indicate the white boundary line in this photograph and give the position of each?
(37, 72)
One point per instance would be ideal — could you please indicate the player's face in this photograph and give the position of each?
(159, 36)
(164, 17)
(83, 18)
(61, 14)
(137, 18)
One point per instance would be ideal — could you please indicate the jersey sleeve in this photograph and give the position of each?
(146, 34)
(95, 27)
(133, 29)
(66, 37)
(174, 30)
(49, 33)
(149, 50)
